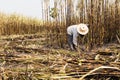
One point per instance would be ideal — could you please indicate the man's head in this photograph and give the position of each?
(82, 29)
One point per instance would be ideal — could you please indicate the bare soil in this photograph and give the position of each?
(26, 57)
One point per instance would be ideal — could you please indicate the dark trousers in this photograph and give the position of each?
(70, 42)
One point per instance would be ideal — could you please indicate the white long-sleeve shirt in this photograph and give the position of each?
(72, 30)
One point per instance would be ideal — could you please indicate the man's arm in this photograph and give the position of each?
(75, 35)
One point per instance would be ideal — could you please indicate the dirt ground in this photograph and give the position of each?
(25, 57)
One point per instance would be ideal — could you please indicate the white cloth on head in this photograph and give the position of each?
(72, 30)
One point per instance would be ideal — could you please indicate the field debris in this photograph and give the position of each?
(27, 58)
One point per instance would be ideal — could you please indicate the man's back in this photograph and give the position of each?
(72, 30)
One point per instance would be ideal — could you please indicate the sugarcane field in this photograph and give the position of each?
(73, 40)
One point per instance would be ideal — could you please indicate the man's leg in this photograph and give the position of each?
(70, 42)
(75, 47)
